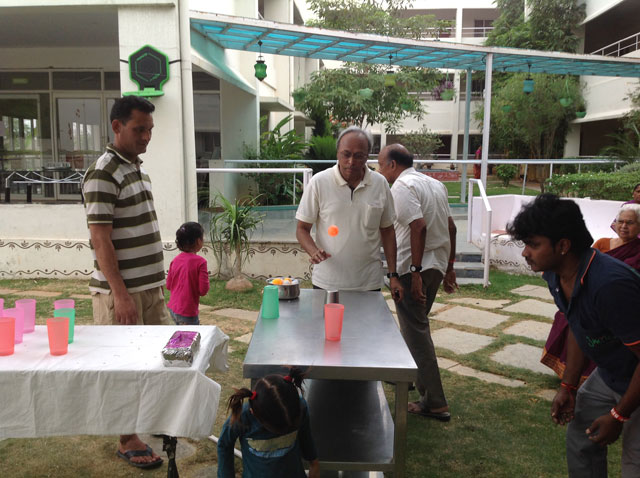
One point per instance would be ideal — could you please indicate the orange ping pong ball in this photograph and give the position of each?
(333, 231)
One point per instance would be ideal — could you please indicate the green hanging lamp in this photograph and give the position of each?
(390, 76)
(527, 86)
(260, 67)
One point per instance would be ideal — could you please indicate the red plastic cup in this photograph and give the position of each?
(18, 315)
(7, 335)
(28, 306)
(333, 314)
(64, 304)
(58, 330)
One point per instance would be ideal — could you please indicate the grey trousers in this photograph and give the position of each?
(586, 459)
(414, 326)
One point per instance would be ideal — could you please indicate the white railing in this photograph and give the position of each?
(478, 32)
(621, 47)
(306, 173)
(487, 226)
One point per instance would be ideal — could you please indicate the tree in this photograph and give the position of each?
(338, 94)
(422, 143)
(551, 25)
(532, 125)
(334, 93)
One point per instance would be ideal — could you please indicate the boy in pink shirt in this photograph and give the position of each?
(187, 279)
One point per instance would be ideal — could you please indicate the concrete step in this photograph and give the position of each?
(469, 269)
(469, 257)
(469, 280)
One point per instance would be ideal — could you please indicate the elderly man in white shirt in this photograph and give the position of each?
(355, 203)
(426, 239)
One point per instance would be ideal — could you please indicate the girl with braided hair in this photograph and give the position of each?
(273, 429)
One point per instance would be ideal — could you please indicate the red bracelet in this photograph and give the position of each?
(571, 388)
(614, 413)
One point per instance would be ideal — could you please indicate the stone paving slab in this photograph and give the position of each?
(40, 293)
(522, 356)
(250, 315)
(435, 307)
(486, 376)
(484, 303)
(458, 341)
(446, 364)
(245, 339)
(534, 291)
(8, 291)
(81, 296)
(481, 319)
(534, 307)
(547, 394)
(530, 328)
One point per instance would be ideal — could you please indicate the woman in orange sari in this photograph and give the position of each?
(625, 248)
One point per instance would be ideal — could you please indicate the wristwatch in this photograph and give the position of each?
(393, 274)
(413, 268)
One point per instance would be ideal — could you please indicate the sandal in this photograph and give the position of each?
(127, 455)
(440, 416)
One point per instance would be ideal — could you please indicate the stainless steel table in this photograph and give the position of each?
(350, 417)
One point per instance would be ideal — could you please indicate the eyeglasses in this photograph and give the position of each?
(355, 156)
(628, 223)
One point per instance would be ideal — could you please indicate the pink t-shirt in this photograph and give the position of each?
(187, 280)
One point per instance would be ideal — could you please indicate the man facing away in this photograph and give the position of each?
(358, 201)
(600, 296)
(126, 284)
(426, 239)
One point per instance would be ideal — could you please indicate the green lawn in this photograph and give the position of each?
(496, 431)
(494, 188)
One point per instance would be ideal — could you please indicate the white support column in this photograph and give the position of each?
(465, 144)
(486, 122)
(459, 24)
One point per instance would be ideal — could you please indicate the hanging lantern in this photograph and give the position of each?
(366, 93)
(260, 67)
(298, 96)
(527, 85)
(390, 77)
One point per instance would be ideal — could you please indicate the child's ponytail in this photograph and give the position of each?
(236, 400)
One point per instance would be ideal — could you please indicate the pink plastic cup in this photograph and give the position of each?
(7, 335)
(28, 306)
(18, 315)
(64, 304)
(58, 330)
(1, 306)
(333, 314)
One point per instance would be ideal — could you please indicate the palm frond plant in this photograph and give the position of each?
(230, 231)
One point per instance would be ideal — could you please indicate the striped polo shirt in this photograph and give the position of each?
(118, 192)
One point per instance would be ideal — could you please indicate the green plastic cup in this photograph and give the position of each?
(71, 313)
(270, 302)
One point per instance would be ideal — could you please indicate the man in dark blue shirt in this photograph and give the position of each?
(600, 297)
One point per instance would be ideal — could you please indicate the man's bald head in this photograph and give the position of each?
(398, 153)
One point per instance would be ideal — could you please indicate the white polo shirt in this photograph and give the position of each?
(355, 262)
(417, 195)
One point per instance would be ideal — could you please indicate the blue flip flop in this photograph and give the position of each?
(127, 455)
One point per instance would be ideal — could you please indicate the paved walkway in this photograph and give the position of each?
(464, 325)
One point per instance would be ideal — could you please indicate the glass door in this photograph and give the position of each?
(79, 141)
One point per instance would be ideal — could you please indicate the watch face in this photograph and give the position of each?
(413, 268)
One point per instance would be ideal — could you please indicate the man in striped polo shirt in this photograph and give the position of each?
(126, 285)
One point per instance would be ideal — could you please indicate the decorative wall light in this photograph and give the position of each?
(390, 77)
(527, 85)
(260, 67)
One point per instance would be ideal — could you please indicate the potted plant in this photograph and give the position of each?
(230, 230)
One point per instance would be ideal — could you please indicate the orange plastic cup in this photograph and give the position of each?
(333, 314)
(7, 335)
(58, 330)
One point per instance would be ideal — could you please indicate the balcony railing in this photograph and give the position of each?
(621, 47)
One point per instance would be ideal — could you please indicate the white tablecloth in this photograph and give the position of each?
(112, 381)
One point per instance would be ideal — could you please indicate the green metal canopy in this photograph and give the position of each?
(239, 33)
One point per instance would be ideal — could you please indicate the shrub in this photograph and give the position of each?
(322, 148)
(613, 186)
(506, 172)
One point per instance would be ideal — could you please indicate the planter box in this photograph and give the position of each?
(442, 174)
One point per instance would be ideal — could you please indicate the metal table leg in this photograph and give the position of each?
(169, 445)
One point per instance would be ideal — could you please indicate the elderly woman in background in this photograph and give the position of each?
(625, 248)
